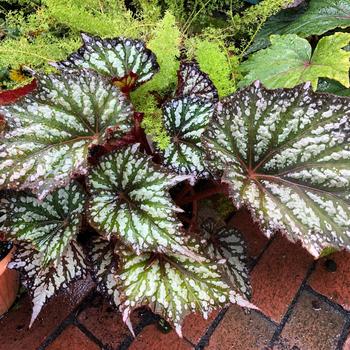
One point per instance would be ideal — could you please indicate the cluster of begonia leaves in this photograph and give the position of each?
(73, 152)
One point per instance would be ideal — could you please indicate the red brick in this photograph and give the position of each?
(256, 240)
(277, 277)
(241, 330)
(195, 326)
(14, 332)
(334, 285)
(313, 324)
(73, 338)
(152, 339)
(106, 323)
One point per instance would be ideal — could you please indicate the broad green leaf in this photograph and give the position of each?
(285, 155)
(172, 285)
(44, 282)
(130, 200)
(127, 61)
(185, 119)
(49, 132)
(50, 225)
(332, 87)
(317, 18)
(289, 61)
(104, 264)
(193, 82)
(227, 246)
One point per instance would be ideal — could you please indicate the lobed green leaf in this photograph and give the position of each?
(50, 132)
(50, 225)
(226, 245)
(45, 282)
(172, 285)
(130, 200)
(193, 82)
(285, 155)
(104, 264)
(185, 119)
(316, 18)
(127, 61)
(289, 61)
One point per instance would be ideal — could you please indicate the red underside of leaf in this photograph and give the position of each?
(127, 83)
(9, 96)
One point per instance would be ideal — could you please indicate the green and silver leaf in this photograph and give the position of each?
(193, 82)
(285, 154)
(226, 245)
(104, 264)
(185, 119)
(317, 18)
(332, 87)
(50, 225)
(130, 200)
(127, 61)
(45, 282)
(172, 285)
(290, 61)
(50, 131)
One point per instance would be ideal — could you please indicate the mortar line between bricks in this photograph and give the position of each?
(346, 328)
(287, 315)
(129, 339)
(326, 300)
(69, 320)
(344, 334)
(204, 341)
(64, 324)
(89, 334)
(257, 259)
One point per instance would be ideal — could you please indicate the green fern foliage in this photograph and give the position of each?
(165, 43)
(218, 62)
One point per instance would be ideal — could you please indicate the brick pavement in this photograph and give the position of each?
(304, 305)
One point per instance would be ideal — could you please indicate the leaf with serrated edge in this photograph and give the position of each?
(319, 17)
(285, 154)
(104, 264)
(172, 285)
(289, 61)
(227, 245)
(193, 82)
(127, 61)
(44, 283)
(130, 199)
(185, 119)
(49, 225)
(332, 87)
(50, 131)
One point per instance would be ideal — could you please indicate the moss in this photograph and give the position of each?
(218, 62)
(165, 43)
(328, 251)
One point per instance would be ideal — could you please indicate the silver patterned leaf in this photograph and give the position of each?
(104, 264)
(49, 225)
(44, 282)
(185, 119)
(50, 131)
(172, 285)
(127, 61)
(130, 200)
(193, 82)
(227, 245)
(285, 154)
